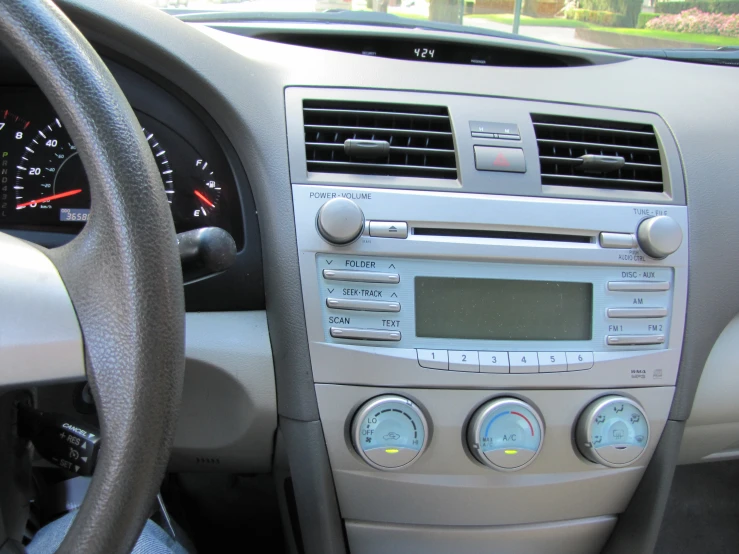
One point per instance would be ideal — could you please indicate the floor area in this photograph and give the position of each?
(703, 511)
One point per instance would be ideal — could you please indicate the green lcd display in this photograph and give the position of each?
(503, 309)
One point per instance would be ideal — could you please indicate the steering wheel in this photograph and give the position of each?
(122, 274)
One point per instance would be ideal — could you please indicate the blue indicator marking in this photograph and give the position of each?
(501, 414)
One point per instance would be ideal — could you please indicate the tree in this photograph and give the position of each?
(530, 7)
(448, 11)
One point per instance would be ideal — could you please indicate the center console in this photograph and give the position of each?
(495, 295)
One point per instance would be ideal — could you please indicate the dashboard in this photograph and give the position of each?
(481, 281)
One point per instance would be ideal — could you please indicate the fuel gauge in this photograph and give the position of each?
(204, 191)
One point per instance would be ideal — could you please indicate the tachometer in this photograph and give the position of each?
(13, 130)
(51, 181)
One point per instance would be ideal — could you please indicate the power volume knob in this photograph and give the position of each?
(340, 221)
(659, 236)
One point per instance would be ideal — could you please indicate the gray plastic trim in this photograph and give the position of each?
(638, 527)
(40, 337)
(581, 536)
(712, 431)
(228, 415)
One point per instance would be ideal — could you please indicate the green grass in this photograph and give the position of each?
(527, 21)
(709, 40)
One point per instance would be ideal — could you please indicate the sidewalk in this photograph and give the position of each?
(559, 35)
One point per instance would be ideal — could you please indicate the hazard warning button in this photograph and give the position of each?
(493, 158)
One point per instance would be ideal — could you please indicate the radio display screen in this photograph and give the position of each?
(503, 309)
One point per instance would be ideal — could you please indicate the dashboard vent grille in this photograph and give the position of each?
(571, 151)
(419, 139)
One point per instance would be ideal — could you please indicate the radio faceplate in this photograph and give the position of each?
(392, 306)
(363, 303)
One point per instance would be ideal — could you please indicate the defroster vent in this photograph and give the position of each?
(592, 153)
(379, 139)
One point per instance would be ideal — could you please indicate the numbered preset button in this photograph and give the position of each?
(494, 362)
(552, 362)
(464, 360)
(433, 359)
(524, 362)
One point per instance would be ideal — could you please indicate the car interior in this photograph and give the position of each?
(339, 282)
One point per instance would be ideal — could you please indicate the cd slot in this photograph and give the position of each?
(506, 235)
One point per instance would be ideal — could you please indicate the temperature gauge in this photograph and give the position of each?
(505, 434)
(389, 432)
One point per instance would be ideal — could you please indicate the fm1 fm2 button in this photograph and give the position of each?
(613, 431)
(505, 434)
(389, 432)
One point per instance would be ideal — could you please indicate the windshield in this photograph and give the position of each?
(622, 24)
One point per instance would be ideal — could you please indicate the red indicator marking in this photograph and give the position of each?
(204, 198)
(501, 160)
(49, 198)
(527, 421)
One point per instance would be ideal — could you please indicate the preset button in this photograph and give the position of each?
(524, 362)
(464, 360)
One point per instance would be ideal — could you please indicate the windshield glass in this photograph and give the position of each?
(623, 24)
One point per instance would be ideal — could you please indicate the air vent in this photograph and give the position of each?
(379, 139)
(576, 152)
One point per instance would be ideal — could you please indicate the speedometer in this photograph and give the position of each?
(51, 180)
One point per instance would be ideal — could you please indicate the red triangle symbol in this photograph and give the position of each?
(501, 160)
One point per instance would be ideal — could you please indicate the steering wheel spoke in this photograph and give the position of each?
(40, 337)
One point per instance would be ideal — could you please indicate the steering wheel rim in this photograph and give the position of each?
(122, 273)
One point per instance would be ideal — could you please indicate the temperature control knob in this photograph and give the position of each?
(613, 431)
(659, 236)
(505, 434)
(340, 221)
(390, 432)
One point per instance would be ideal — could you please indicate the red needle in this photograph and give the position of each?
(49, 198)
(204, 198)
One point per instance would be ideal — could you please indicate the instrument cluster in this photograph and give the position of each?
(43, 185)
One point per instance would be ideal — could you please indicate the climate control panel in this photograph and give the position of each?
(391, 432)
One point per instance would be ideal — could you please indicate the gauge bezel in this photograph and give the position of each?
(474, 428)
(584, 428)
(372, 405)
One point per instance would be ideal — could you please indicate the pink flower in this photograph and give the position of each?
(696, 21)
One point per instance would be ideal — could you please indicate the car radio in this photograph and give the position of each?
(408, 288)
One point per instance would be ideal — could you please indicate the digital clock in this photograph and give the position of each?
(424, 53)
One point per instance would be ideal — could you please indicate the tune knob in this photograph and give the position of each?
(390, 432)
(505, 434)
(659, 236)
(340, 221)
(613, 431)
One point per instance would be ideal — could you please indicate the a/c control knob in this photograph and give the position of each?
(659, 236)
(613, 431)
(505, 434)
(390, 432)
(340, 221)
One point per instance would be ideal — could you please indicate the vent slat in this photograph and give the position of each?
(598, 146)
(376, 113)
(380, 130)
(407, 150)
(600, 129)
(563, 140)
(420, 138)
